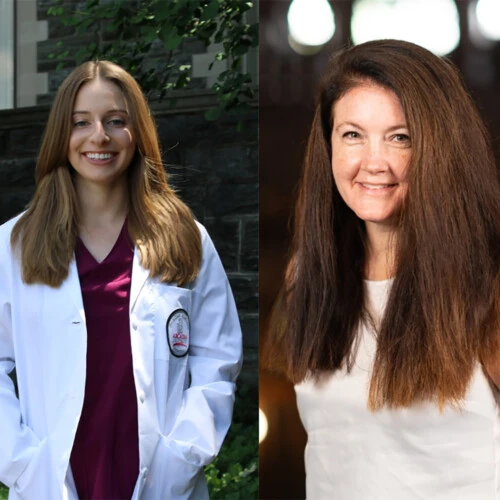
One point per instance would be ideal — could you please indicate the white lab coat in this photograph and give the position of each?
(184, 403)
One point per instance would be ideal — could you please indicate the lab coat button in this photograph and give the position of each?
(144, 473)
(134, 326)
(142, 397)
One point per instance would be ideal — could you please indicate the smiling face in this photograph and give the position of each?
(371, 149)
(102, 142)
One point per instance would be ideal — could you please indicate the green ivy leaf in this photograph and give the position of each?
(210, 11)
(71, 21)
(82, 54)
(163, 10)
(213, 114)
(55, 11)
(149, 33)
(170, 38)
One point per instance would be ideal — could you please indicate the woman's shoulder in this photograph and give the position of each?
(8, 259)
(6, 230)
(203, 231)
(210, 262)
(207, 244)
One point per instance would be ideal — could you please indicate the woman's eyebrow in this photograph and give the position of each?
(399, 126)
(348, 124)
(113, 110)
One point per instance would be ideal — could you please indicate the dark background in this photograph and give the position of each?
(288, 83)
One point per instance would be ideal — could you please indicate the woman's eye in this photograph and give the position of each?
(403, 138)
(117, 122)
(80, 124)
(351, 135)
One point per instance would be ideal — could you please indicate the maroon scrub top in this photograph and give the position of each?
(105, 454)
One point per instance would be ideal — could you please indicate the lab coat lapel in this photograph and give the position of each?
(71, 288)
(66, 362)
(143, 342)
(139, 277)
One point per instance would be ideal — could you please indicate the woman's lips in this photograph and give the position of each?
(100, 158)
(376, 188)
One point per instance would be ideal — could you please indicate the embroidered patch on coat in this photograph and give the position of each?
(178, 332)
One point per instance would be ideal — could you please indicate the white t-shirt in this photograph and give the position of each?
(405, 454)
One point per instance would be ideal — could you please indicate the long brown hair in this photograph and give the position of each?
(442, 312)
(160, 224)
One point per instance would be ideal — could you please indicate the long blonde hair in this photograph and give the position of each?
(160, 224)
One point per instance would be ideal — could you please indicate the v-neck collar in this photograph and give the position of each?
(80, 246)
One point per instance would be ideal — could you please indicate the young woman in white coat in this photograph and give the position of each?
(389, 319)
(115, 312)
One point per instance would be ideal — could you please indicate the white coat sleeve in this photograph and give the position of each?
(18, 443)
(214, 363)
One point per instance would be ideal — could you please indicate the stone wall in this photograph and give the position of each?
(214, 168)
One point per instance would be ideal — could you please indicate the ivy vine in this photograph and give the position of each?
(128, 31)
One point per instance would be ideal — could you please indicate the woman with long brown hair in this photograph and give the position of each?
(115, 312)
(389, 316)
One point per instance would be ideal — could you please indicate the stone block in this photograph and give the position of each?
(43, 5)
(193, 46)
(234, 162)
(13, 202)
(249, 258)
(246, 292)
(25, 141)
(232, 199)
(180, 174)
(72, 44)
(50, 65)
(191, 130)
(18, 172)
(226, 238)
(56, 78)
(45, 99)
(58, 30)
(176, 131)
(3, 142)
(194, 197)
(250, 329)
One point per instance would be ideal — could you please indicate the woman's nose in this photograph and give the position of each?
(99, 134)
(377, 158)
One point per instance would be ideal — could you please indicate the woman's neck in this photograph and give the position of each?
(102, 206)
(380, 253)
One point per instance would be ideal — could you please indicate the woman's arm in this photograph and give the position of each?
(214, 363)
(17, 442)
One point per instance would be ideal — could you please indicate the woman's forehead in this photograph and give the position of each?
(100, 93)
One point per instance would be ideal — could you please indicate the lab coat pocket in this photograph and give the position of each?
(35, 476)
(171, 477)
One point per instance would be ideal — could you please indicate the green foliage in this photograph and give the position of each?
(4, 492)
(126, 32)
(234, 473)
